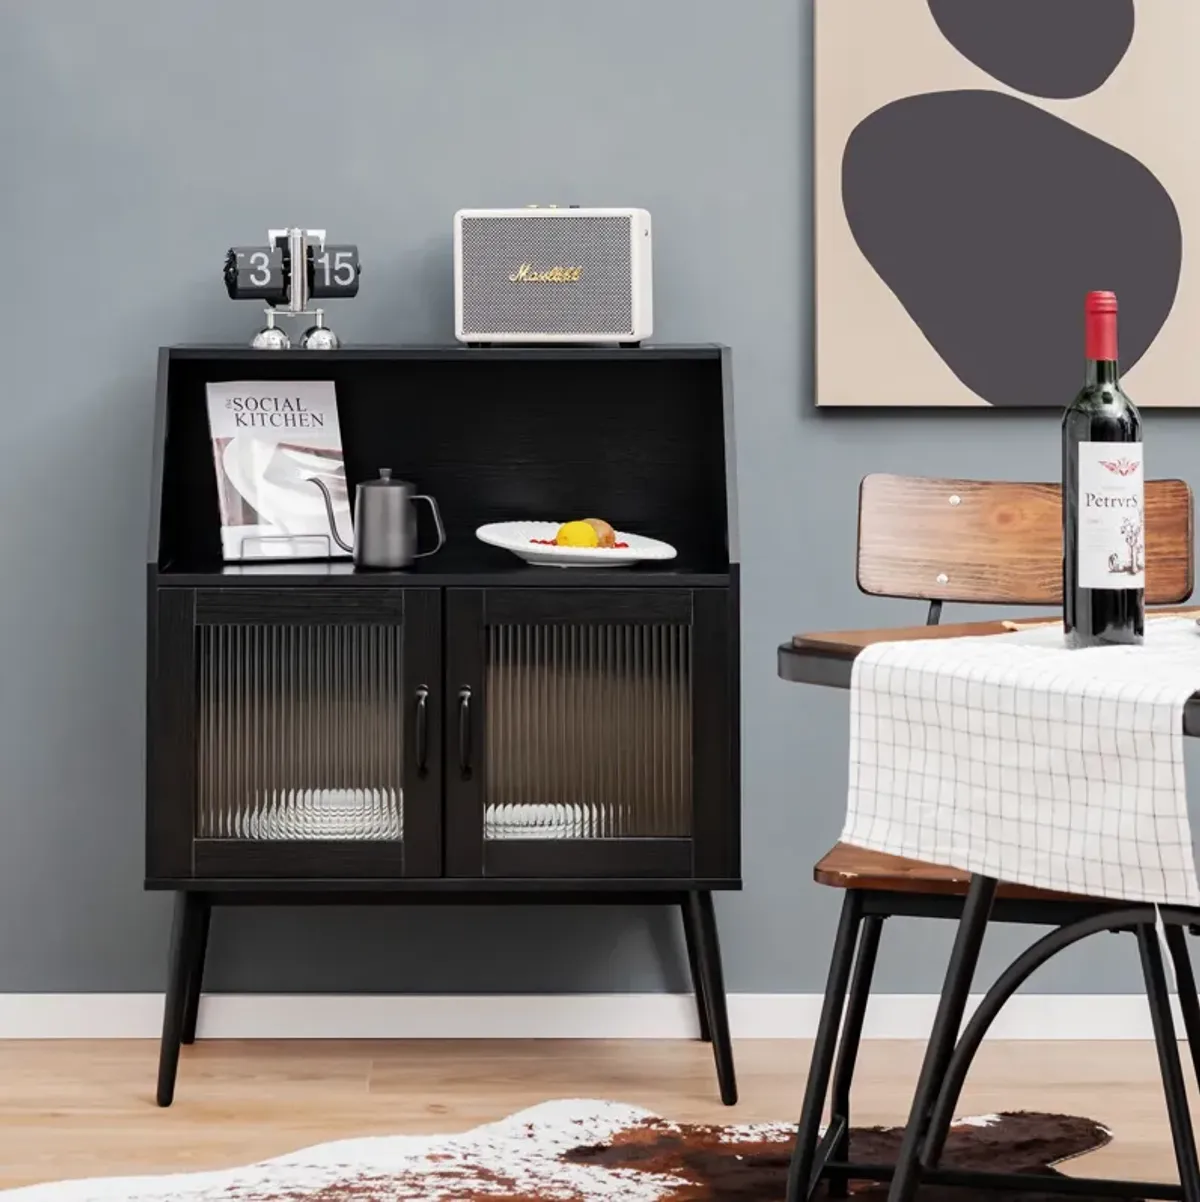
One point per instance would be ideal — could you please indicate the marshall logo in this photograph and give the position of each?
(1120, 467)
(525, 274)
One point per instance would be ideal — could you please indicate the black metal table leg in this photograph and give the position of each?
(185, 939)
(924, 1169)
(691, 937)
(196, 978)
(708, 956)
(800, 1171)
(1002, 989)
(1178, 1113)
(951, 1006)
(1189, 1003)
(843, 1072)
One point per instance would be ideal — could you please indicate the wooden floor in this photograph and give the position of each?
(86, 1109)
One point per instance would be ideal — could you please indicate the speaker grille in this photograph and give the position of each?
(495, 248)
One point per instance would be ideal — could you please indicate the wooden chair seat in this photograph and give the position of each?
(847, 867)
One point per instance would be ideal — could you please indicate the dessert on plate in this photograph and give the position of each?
(586, 532)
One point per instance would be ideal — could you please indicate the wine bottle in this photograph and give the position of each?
(1104, 544)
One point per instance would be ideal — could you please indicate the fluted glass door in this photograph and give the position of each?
(588, 731)
(571, 727)
(301, 732)
(316, 733)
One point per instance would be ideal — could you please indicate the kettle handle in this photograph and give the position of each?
(337, 538)
(437, 519)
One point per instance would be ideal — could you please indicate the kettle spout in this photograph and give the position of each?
(337, 538)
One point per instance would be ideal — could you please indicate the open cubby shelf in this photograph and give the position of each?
(638, 437)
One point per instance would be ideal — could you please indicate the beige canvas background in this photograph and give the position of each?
(871, 52)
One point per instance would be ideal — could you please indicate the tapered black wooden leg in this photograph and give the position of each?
(1189, 1003)
(1178, 1113)
(843, 1073)
(196, 976)
(691, 938)
(708, 959)
(972, 926)
(800, 1171)
(185, 939)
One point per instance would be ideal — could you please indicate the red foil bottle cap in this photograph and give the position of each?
(1100, 325)
(1101, 302)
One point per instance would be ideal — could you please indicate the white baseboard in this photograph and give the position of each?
(543, 1016)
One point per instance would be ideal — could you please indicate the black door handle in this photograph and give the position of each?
(464, 731)
(422, 734)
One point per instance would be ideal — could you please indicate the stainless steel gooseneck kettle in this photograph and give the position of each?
(385, 522)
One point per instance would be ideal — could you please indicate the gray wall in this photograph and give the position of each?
(136, 146)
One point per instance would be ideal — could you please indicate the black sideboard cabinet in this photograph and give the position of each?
(471, 728)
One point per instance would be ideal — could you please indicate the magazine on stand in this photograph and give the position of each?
(270, 438)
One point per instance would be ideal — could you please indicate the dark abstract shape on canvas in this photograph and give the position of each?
(1052, 48)
(990, 219)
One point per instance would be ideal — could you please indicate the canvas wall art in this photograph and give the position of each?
(980, 166)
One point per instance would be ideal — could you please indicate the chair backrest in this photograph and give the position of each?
(996, 542)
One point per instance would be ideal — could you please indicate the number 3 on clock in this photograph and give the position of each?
(256, 273)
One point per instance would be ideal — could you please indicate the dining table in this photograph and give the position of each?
(828, 659)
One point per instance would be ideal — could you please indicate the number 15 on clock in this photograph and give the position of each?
(334, 271)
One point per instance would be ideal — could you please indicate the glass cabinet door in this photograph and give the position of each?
(587, 730)
(573, 719)
(300, 732)
(312, 733)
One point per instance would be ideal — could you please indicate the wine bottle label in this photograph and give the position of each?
(1111, 542)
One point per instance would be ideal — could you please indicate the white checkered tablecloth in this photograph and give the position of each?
(1011, 756)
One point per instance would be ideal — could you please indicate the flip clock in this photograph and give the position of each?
(295, 267)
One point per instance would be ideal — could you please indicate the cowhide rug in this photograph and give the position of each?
(578, 1151)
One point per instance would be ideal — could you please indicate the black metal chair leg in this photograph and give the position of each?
(196, 977)
(951, 1006)
(691, 938)
(708, 957)
(1189, 1003)
(1178, 1113)
(800, 1171)
(184, 942)
(847, 1056)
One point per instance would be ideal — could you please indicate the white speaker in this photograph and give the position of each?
(553, 275)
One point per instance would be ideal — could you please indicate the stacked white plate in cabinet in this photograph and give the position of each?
(532, 821)
(534, 543)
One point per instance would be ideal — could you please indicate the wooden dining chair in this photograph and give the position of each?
(938, 541)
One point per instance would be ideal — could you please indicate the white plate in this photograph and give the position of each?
(516, 820)
(518, 537)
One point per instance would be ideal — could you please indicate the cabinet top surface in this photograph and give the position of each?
(453, 352)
